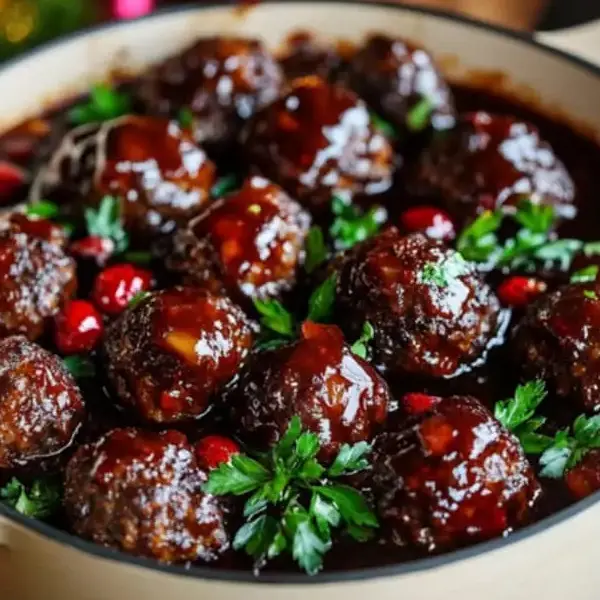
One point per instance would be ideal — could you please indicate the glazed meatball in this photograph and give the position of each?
(306, 55)
(452, 476)
(490, 162)
(318, 139)
(222, 81)
(141, 492)
(36, 276)
(336, 394)
(558, 340)
(153, 166)
(432, 313)
(249, 244)
(393, 76)
(584, 478)
(170, 354)
(41, 408)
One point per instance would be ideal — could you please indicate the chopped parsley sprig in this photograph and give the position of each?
(351, 226)
(106, 222)
(39, 501)
(293, 501)
(104, 103)
(361, 346)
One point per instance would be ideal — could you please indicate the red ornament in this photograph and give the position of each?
(518, 291)
(213, 450)
(431, 221)
(78, 327)
(116, 286)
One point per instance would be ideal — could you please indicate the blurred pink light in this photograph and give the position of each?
(129, 9)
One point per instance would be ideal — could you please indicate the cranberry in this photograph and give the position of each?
(519, 291)
(12, 179)
(98, 248)
(78, 327)
(116, 286)
(213, 450)
(431, 221)
(416, 404)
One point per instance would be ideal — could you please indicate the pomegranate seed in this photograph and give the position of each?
(78, 327)
(116, 286)
(95, 247)
(432, 221)
(12, 178)
(415, 404)
(213, 450)
(520, 291)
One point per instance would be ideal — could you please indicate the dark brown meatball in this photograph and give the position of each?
(393, 76)
(161, 177)
(433, 315)
(452, 476)
(489, 162)
(558, 340)
(222, 80)
(36, 276)
(249, 244)
(336, 394)
(41, 408)
(141, 492)
(171, 353)
(584, 478)
(318, 139)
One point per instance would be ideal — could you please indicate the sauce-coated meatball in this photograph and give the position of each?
(432, 313)
(222, 81)
(336, 394)
(161, 177)
(451, 477)
(393, 76)
(36, 276)
(584, 478)
(558, 341)
(250, 243)
(171, 353)
(489, 162)
(141, 492)
(316, 139)
(41, 408)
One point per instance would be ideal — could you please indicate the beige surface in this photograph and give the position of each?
(558, 563)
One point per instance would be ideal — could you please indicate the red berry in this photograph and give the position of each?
(78, 327)
(95, 247)
(213, 450)
(433, 222)
(416, 404)
(116, 286)
(520, 291)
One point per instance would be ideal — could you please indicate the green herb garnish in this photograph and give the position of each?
(106, 222)
(516, 411)
(419, 116)
(294, 505)
(138, 299)
(320, 303)
(81, 367)
(138, 257)
(442, 274)
(44, 209)
(585, 275)
(537, 218)
(316, 250)
(590, 294)
(104, 103)
(478, 241)
(350, 226)
(361, 345)
(185, 117)
(274, 316)
(41, 500)
(383, 126)
(224, 185)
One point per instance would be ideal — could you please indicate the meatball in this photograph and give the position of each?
(490, 162)
(584, 478)
(141, 492)
(393, 76)
(153, 166)
(452, 476)
(336, 394)
(36, 276)
(250, 243)
(558, 340)
(170, 354)
(306, 55)
(41, 408)
(432, 313)
(222, 80)
(318, 139)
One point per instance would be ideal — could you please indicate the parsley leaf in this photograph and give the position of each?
(316, 250)
(478, 240)
(81, 367)
(105, 222)
(280, 482)
(40, 501)
(383, 126)
(274, 316)
(103, 104)
(185, 117)
(320, 303)
(537, 218)
(591, 248)
(441, 274)
(585, 275)
(44, 209)
(224, 185)
(138, 299)
(361, 345)
(350, 226)
(522, 406)
(590, 294)
(419, 116)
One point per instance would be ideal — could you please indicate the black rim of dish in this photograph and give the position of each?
(239, 576)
